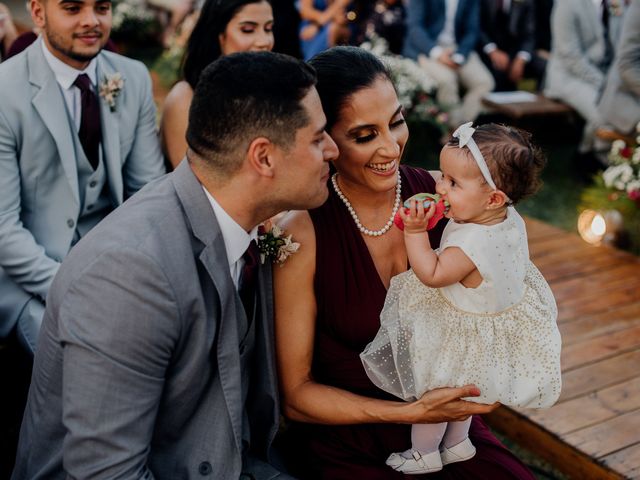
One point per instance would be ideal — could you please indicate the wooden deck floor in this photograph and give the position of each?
(593, 432)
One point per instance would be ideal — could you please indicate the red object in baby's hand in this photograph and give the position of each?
(426, 198)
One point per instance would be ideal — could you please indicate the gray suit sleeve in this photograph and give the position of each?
(144, 162)
(629, 65)
(118, 325)
(21, 257)
(567, 45)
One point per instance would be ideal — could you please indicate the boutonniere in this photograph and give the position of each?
(110, 88)
(616, 7)
(275, 245)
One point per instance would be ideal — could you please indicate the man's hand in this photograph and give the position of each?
(416, 218)
(445, 59)
(499, 60)
(516, 72)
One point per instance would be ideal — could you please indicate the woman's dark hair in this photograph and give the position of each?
(343, 71)
(514, 161)
(203, 46)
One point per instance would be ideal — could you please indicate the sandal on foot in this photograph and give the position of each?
(417, 463)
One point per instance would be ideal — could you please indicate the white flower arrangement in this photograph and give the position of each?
(110, 88)
(415, 88)
(623, 173)
(275, 245)
(130, 10)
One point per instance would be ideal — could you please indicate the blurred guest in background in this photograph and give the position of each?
(387, 19)
(508, 40)
(324, 24)
(8, 32)
(620, 102)
(442, 36)
(222, 28)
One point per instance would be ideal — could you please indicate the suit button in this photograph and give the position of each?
(93, 183)
(70, 223)
(205, 468)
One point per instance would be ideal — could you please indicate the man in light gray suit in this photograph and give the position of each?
(68, 156)
(584, 34)
(620, 102)
(148, 365)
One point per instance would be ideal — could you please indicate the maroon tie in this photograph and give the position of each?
(249, 278)
(90, 133)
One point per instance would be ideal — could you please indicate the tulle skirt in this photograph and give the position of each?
(426, 342)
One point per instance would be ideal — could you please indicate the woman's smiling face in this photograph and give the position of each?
(371, 134)
(251, 29)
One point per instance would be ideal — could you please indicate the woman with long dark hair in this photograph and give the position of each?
(224, 27)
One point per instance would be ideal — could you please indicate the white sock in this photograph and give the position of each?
(456, 432)
(426, 437)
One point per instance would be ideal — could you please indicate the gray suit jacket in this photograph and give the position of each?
(577, 47)
(620, 102)
(39, 194)
(137, 369)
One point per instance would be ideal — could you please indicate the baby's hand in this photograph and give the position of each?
(416, 218)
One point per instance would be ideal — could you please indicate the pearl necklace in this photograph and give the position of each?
(366, 231)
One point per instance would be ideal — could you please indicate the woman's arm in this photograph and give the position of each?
(308, 401)
(451, 266)
(173, 126)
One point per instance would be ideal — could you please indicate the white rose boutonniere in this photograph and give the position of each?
(110, 88)
(275, 245)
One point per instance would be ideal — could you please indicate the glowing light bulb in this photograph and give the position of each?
(598, 225)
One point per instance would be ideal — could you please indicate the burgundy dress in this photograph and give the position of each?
(350, 296)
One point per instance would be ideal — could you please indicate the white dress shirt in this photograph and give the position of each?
(66, 75)
(236, 239)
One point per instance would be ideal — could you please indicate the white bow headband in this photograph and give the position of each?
(464, 134)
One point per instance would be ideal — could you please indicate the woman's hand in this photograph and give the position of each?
(309, 31)
(445, 405)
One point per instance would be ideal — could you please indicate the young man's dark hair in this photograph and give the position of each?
(228, 111)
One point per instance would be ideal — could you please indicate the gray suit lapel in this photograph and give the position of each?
(110, 132)
(214, 258)
(49, 104)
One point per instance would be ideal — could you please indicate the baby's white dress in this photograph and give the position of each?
(501, 336)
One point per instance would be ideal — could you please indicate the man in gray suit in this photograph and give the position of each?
(71, 149)
(584, 34)
(620, 102)
(148, 365)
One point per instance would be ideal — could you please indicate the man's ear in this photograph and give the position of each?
(261, 156)
(498, 199)
(36, 7)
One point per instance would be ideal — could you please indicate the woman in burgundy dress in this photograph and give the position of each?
(329, 295)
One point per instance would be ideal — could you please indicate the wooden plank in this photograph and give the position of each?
(599, 283)
(549, 446)
(591, 378)
(589, 410)
(573, 268)
(607, 437)
(578, 307)
(599, 324)
(537, 229)
(625, 461)
(598, 348)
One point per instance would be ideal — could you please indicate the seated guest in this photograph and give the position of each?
(620, 103)
(77, 137)
(507, 41)
(156, 359)
(324, 24)
(442, 36)
(583, 37)
(222, 28)
(8, 32)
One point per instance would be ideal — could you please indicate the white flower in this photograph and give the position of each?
(633, 185)
(274, 245)
(617, 145)
(110, 88)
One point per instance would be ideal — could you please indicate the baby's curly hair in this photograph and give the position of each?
(514, 162)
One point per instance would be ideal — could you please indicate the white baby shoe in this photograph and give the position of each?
(416, 463)
(458, 453)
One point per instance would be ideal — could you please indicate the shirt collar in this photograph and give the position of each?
(66, 75)
(236, 239)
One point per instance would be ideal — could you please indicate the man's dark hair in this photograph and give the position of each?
(342, 72)
(244, 96)
(203, 46)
